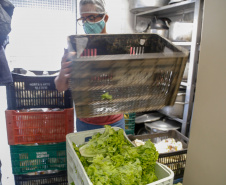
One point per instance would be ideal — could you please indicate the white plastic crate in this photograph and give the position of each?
(77, 174)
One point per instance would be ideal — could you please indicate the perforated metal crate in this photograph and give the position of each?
(140, 72)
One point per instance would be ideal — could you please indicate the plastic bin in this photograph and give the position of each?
(129, 123)
(77, 174)
(142, 72)
(176, 161)
(39, 127)
(33, 158)
(59, 178)
(36, 92)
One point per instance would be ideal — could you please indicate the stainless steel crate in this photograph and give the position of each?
(141, 72)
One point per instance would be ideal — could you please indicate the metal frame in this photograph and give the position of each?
(178, 9)
(193, 66)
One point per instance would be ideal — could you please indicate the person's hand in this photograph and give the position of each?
(61, 81)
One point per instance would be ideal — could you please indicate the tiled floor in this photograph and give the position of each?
(7, 176)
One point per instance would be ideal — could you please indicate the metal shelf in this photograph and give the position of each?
(172, 117)
(184, 84)
(182, 43)
(177, 8)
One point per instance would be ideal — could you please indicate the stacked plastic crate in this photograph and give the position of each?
(38, 119)
(130, 123)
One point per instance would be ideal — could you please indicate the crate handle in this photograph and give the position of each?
(167, 169)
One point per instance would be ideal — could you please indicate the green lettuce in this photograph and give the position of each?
(108, 143)
(110, 159)
(106, 96)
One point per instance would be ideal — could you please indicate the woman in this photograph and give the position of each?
(93, 19)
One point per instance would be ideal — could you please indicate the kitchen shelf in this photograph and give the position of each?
(172, 117)
(184, 84)
(177, 8)
(182, 43)
(194, 8)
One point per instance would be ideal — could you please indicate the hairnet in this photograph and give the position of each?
(99, 6)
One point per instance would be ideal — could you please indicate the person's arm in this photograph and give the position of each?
(61, 81)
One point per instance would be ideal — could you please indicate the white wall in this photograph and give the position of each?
(5, 157)
(120, 19)
(206, 159)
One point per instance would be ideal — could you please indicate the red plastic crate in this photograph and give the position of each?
(39, 127)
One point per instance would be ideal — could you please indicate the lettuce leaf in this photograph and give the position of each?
(106, 96)
(107, 143)
(109, 159)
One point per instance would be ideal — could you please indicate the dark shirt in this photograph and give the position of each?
(5, 74)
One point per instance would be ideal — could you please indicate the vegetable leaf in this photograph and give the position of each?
(106, 96)
(110, 159)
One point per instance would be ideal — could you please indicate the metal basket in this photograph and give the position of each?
(141, 72)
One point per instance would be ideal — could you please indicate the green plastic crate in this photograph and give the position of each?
(33, 158)
(129, 123)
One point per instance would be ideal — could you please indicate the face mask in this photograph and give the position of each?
(92, 28)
